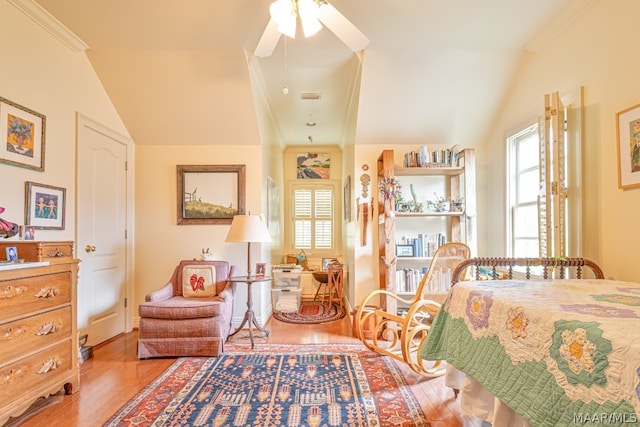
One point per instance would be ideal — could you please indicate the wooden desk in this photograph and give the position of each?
(548, 350)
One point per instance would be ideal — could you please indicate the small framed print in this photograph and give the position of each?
(29, 233)
(45, 206)
(261, 269)
(628, 147)
(12, 253)
(326, 262)
(404, 250)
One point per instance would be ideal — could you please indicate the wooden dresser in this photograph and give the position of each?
(38, 329)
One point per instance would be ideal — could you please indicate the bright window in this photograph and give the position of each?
(313, 217)
(524, 174)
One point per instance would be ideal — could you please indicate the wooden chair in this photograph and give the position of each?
(401, 336)
(335, 283)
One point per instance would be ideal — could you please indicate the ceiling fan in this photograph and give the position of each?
(312, 14)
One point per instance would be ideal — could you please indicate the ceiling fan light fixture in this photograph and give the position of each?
(308, 11)
(283, 12)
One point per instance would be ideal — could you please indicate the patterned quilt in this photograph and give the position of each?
(559, 353)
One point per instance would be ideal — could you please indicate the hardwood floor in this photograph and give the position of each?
(114, 375)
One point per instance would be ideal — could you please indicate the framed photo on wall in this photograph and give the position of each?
(210, 194)
(628, 146)
(23, 132)
(44, 206)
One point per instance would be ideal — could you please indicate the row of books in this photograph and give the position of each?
(425, 158)
(423, 246)
(408, 279)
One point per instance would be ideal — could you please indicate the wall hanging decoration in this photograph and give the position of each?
(44, 206)
(628, 145)
(210, 194)
(365, 179)
(23, 136)
(389, 187)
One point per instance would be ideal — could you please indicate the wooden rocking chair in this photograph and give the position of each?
(401, 336)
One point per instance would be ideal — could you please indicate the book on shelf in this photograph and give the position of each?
(424, 245)
(445, 157)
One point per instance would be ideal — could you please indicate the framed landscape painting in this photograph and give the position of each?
(210, 194)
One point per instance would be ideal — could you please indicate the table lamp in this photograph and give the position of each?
(248, 229)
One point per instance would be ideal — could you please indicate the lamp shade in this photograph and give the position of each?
(248, 228)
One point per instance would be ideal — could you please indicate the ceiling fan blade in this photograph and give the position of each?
(268, 41)
(342, 27)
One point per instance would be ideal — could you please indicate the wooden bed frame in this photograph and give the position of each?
(560, 268)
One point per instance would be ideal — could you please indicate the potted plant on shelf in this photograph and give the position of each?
(457, 204)
(439, 204)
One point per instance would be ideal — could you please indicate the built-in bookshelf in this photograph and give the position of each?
(419, 215)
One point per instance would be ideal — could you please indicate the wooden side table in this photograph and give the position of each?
(249, 315)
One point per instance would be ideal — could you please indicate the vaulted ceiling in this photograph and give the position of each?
(434, 72)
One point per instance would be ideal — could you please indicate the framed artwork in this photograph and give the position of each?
(23, 132)
(261, 269)
(273, 207)
(404, 250)
(210, 194)
(29, 233)
(44, 206)
(346, 203)
(326, 262)
(313, 166)
(628, 145)
(12, 253)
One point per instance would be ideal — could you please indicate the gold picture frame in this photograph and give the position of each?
(23, 138)
(628, 146)
(210, 194)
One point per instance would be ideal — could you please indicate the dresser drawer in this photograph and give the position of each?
(23, 336)
(53, 252)
(42, 369)
(34, 293)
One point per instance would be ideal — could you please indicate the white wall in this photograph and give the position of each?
(39, 72)
(598, 52)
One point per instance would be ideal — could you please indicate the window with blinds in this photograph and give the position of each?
(313, 208)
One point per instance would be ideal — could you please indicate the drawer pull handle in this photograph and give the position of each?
(11, 333)
(12, 291)
(55, 253)
(47, 293)
(48, 328)
(12, 374)
(49, 365)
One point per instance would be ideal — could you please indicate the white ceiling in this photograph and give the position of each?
(435, 71)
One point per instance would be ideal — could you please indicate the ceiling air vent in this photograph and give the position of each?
(310, 96)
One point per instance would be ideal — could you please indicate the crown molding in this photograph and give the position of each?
(47, 21)
(567, 16)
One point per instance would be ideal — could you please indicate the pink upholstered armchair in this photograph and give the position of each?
(191, 315)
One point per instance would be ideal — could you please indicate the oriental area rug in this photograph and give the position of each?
(307, 385)
(312, 312)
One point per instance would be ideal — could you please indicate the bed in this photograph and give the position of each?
(561, 349)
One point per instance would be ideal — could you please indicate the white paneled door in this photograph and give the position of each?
(102, 228)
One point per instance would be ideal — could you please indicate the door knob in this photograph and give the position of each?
(90, 248)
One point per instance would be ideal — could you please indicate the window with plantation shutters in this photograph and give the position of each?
(544, 181)
(313, 211)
